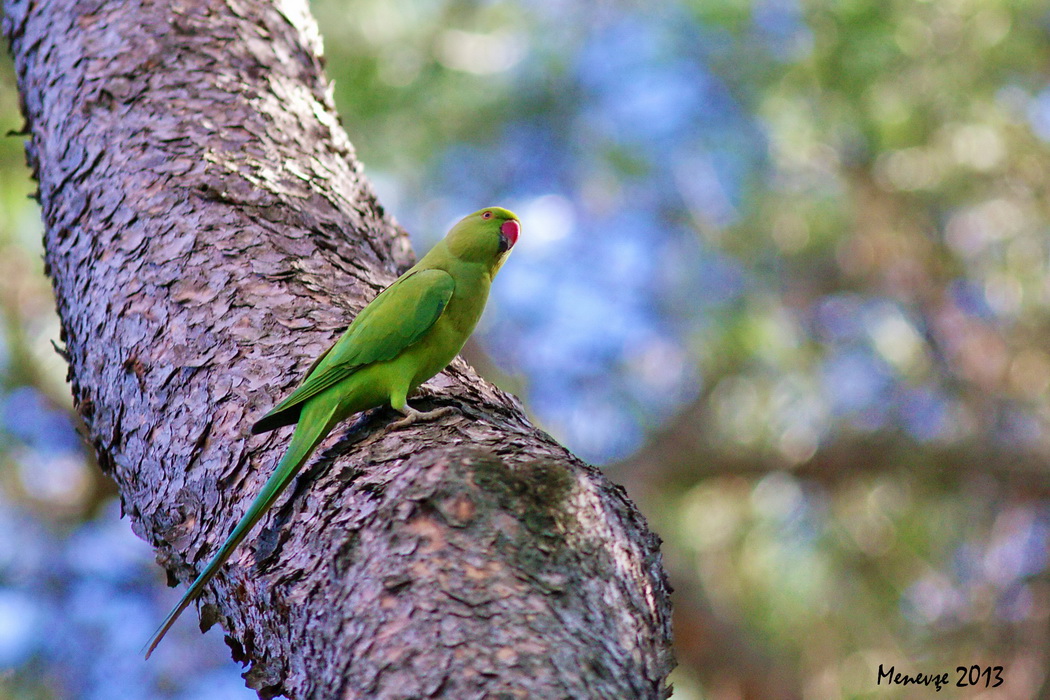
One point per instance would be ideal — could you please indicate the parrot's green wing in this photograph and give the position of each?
(395, 319)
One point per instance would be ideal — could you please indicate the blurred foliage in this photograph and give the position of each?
(783, 271)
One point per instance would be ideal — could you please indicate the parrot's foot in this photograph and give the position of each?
(414, 416)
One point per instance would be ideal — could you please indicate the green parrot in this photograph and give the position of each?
(406, 335)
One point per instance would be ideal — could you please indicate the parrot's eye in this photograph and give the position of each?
(487, 215)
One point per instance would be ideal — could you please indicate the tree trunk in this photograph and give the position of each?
(208, 233)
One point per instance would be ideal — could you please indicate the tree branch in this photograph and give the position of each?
(685, 451)
(208, 233)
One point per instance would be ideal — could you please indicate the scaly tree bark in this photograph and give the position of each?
(208, 233)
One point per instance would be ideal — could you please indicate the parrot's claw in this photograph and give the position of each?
(413, 416)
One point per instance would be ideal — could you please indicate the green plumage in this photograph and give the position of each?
(406, 335)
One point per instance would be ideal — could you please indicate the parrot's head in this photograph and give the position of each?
(486, 236)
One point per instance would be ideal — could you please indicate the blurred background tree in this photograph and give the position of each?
(783, 273)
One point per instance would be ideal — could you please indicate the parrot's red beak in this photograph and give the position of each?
(508, 231)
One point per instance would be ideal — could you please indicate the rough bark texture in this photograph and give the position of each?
(208, 233)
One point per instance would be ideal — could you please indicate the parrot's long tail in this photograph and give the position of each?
(315, 423)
